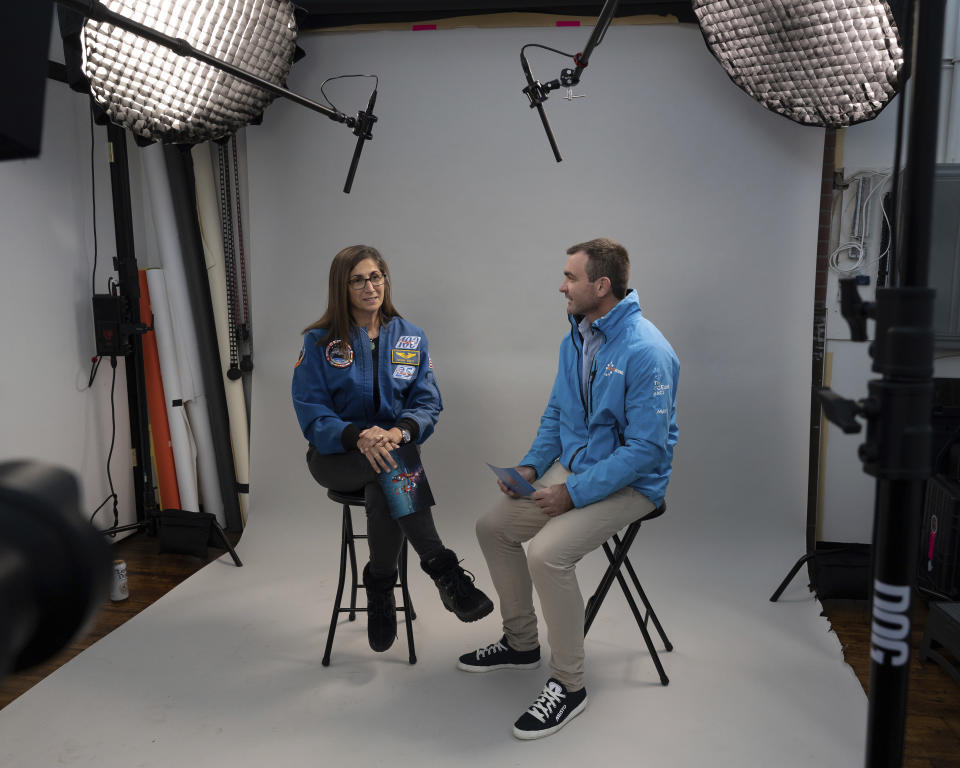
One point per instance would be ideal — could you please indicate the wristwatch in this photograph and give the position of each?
(404, 436)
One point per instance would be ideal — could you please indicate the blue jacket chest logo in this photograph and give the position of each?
(339, 354)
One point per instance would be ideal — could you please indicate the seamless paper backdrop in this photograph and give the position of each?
(717, 202)
(715, 199)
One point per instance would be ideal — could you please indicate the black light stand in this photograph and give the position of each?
(537, 92)
(125, 264)
(55, 567)
(898, 407)
(362, 124)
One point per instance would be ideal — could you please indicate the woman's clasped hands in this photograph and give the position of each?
(376, 444)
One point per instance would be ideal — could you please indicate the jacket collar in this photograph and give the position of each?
(611, 322)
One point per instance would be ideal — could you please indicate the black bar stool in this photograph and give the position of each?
(617, 555)
(347, 537)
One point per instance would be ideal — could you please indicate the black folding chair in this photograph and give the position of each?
(347, 537)
(617, 556)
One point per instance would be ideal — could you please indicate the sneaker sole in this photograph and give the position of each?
(530, 735)
(476, 668)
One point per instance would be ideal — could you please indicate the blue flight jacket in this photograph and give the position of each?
(333, 384)
(624, 432)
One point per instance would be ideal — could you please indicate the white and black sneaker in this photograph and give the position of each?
(499, 655)
(554, 708)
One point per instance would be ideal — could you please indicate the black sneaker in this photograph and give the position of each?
(554, 708)
(381, 610)
(499, 655)
(457, 591)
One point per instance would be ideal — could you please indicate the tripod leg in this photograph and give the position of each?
(218, 532)
(789, 578)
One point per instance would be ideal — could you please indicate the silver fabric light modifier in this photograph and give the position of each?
(818, 62)
(159, 94)
(184, 93)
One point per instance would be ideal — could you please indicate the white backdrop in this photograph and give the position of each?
(46, 220)
(717, 202)
(715, 198)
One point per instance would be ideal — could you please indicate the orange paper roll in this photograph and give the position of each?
(156, 406)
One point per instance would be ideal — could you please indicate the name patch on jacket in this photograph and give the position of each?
(339, 354)
(408, 342)
(404, 357)
(405, 372)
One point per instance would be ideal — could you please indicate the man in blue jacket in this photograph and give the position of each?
(600, 460)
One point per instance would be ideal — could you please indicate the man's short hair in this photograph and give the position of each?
(606, 258)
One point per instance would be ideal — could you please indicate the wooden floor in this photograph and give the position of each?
(150, 575)
(932, 738)
(933, 720)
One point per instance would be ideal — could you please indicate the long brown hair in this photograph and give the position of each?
(337, 319)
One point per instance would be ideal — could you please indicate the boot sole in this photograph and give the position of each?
(484, 609)
(386, 647)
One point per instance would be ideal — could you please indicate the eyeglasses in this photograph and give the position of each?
(357, 282)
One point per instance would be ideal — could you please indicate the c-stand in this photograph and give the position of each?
(898, 408)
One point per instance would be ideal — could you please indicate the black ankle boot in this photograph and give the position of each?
(381, 609)
(457, 591)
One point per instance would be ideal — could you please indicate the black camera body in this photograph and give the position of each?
(55, 568)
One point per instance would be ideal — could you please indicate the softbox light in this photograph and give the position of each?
(161, 95)
(818, 62)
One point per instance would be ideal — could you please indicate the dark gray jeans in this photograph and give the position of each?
(346, 472)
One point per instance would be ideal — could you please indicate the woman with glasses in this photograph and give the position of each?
(363, 386)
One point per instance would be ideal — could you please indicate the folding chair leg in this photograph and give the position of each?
(651, 614)
(643, 629)
(616, 559)
(597, 598)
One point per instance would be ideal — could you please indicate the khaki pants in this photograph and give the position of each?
(555, 546)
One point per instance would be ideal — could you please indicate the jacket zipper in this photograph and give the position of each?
(363, 341)
(587, 404)
(574, 332)
(593, 374)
